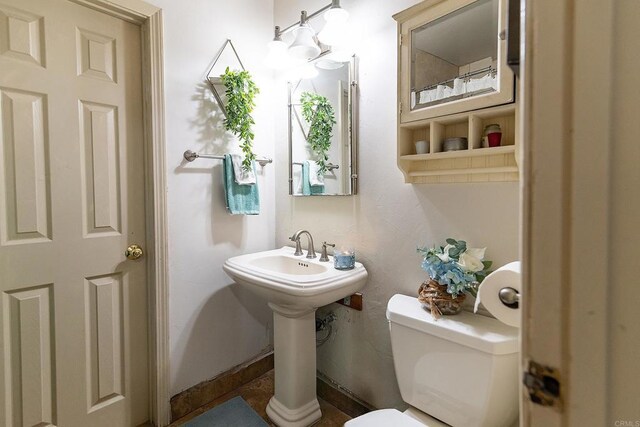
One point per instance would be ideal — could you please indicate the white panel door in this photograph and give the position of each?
(73, 309)
(581, 204)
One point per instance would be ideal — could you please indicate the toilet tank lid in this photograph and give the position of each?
(472, 330)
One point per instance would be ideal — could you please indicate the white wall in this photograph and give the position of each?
(388, 219)
(213, 324)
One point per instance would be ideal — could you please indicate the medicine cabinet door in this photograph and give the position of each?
(453, 58)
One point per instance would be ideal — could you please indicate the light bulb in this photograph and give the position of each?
(277, 57)
(335, 28)
(336, 14)
(304, 46)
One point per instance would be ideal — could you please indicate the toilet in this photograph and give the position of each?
(459, 371)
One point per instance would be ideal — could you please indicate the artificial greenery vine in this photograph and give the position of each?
(241, 92)
(318, 112)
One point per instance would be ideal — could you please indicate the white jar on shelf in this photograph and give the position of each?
(422, 147)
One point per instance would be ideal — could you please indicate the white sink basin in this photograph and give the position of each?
(294, 281)
(283, 264)
(294, 287)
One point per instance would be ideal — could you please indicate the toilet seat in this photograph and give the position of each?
(383, 418)
(395, 418)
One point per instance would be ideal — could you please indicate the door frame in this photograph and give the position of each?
(149, 19)
(566, 205)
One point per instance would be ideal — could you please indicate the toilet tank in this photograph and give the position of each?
(461, 369)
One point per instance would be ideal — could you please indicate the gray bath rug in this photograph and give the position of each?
(232, 413)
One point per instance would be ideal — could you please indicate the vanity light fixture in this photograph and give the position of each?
(336, 13)
(277, 57)
(306, 45)
(335, 26)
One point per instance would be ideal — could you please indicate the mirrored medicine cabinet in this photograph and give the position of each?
(453, 58)
(457, 115)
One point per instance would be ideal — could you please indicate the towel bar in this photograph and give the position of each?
(330, 166)
(190, 156)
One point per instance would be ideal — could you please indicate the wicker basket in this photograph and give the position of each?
(434, 297)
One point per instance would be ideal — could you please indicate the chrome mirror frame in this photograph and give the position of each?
(353, 130)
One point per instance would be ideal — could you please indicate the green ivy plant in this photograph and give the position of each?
(318, 112)
(241, 92)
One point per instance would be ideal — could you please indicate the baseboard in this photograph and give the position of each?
(206, 392)
(340, 397)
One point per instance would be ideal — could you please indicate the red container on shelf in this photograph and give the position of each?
(493, 134)
(494, 139)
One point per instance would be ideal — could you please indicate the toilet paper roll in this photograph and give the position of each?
(507, 276)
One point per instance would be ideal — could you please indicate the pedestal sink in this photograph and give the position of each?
(294, 287)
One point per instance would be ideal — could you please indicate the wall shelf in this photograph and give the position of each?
(509, 149)
(458, 102)
(467, 171)
(475, 164)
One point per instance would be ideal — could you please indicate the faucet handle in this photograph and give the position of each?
(298, 251)
(324, 257)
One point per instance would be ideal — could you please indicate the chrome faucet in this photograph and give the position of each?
(323, 256)
(311, 253)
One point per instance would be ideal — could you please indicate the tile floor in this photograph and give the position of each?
(257, 394)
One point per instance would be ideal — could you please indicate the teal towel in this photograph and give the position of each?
(307, 188)
(241, 199)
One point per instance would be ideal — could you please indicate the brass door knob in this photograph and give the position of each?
(133, 252)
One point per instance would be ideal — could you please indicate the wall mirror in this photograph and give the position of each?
(322, 129)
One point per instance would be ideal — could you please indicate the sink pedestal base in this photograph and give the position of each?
(294, 403)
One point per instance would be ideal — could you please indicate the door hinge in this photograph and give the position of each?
(400, 107)
(400, 37)
(543, 385)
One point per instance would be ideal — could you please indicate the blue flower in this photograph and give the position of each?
(447, 271)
